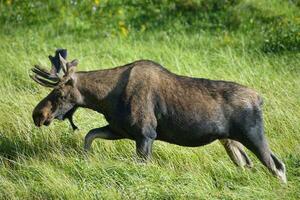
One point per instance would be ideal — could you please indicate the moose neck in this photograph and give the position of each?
(99, 89)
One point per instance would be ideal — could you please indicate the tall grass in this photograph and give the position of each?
(49, 163)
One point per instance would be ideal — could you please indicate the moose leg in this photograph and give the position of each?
(144, 142)
(69, 116)
(103, 132)
(74, 127)
(254, 139)
(236, 152)
(144, 147)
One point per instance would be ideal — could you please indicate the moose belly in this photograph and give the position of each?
(192, 134)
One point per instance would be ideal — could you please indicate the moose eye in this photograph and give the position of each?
(63, 97)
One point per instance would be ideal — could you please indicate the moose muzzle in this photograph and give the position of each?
(42, 114)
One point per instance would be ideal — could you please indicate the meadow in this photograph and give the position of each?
(255, 43)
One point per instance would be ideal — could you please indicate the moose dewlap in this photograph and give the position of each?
(144, 102)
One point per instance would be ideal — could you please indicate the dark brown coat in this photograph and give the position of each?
(144, 102)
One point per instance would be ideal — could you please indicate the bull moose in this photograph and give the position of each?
(143, 101)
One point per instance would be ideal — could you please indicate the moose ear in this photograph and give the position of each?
(55, 65)
(73, 63)
(71, 66)
(51, 58)
(62, 52)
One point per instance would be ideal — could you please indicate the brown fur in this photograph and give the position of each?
(144, 102)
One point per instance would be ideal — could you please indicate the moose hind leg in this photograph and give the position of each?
(253, 138)
(103, 132)
(263, 153)
(236, 152)
(281, 170)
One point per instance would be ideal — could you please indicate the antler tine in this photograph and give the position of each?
(42, 82)
(44, 70)
(63, 63)
(44, 73)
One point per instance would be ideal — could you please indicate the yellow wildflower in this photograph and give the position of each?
(143, 28)
(227, 39)
(121, 23)
(120, 12)
(123, 28)
(97, 2)
(124, 31)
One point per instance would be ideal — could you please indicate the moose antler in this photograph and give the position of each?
(44, 73)
(43, 82)
(53, 77)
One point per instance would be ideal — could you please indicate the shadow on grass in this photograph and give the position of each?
(14, 148)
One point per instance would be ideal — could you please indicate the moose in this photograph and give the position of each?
(144, 102)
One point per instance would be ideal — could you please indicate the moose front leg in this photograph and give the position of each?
(74, 127)
(69, 116)
(144, 148)
(144, 143)
(103, 132)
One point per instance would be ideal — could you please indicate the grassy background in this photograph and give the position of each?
(252, 42)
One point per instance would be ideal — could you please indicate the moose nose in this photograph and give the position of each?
(38, 118)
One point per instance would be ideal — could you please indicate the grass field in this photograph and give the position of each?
(49, 162)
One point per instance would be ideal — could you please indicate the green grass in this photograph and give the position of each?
(49, 162)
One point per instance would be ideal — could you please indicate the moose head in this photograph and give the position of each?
(64, 96)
